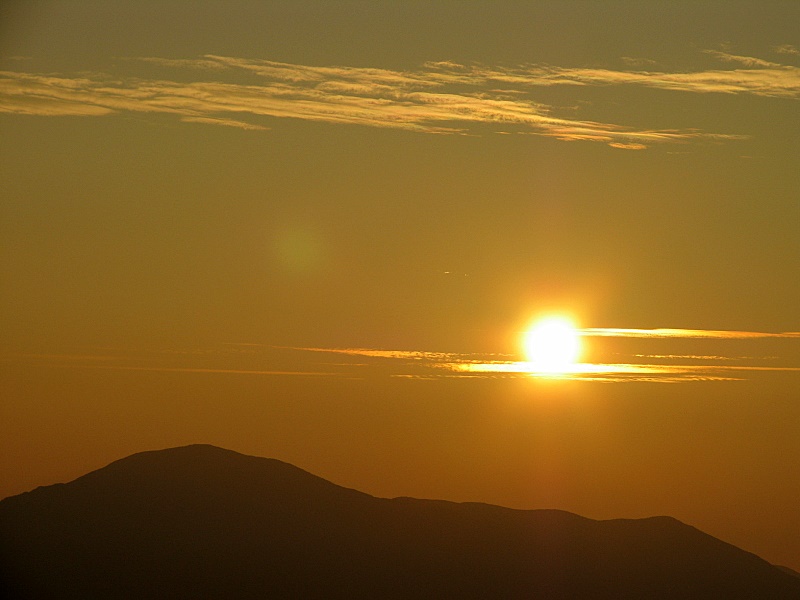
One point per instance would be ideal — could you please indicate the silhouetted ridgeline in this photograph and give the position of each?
(202, 522)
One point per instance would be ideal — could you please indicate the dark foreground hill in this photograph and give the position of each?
(202, 522)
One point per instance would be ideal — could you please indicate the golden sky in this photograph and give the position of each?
(318, 231)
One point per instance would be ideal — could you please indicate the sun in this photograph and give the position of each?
(552, 345)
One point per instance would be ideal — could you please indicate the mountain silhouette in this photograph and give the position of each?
(203, 522)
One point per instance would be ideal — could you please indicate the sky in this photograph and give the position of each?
(318, 231)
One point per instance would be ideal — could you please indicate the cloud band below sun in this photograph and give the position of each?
(258, 359)
(673, 367)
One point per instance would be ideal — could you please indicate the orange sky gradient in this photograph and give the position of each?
(318, 231)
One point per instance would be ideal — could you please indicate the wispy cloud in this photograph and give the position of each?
(61, 357)
(608, 373)
(691, 356)
(671, 368)
(157, 369)
(786, 49)
(403, 354)
(637, 61)
(769, 80)
(439, 97)
(627, 146)
(357, 363)
(683, 333)
(747, 61)
(124, 363)
(224, 122)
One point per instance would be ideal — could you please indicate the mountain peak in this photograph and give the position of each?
(202, 521)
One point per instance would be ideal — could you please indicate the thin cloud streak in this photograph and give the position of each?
(401, 354)
(683, 333)
(101, 362)
(692, 356)
(440, 97)
(527, 368)
(437, 365)
(760, 78)
(747, 61)
(418, 364)
(206, 370)
(612, 372)
(64, 357)
(224, 122)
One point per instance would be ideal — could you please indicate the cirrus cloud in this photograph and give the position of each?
(439, 97)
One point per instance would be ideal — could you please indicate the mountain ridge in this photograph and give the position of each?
(201, 521)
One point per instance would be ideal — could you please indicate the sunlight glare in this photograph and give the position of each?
(552, 345)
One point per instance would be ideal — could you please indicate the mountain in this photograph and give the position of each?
(203, 522)
(791, 572)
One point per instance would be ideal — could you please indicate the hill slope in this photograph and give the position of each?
(200, 521)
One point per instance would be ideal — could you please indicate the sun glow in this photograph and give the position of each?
(552, 345)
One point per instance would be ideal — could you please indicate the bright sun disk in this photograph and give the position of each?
(552, 345)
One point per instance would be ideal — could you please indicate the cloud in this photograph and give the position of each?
(417, 364)
(213, 371)
(225, 122)
(126, 362)
(786, 49)
(684, 333)
(62, 357)
(771, 80)
(428, 365)
(628, 146)
(402, 354)
(439, 97)
(637, 62)
(747, 61)
(690, 356)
